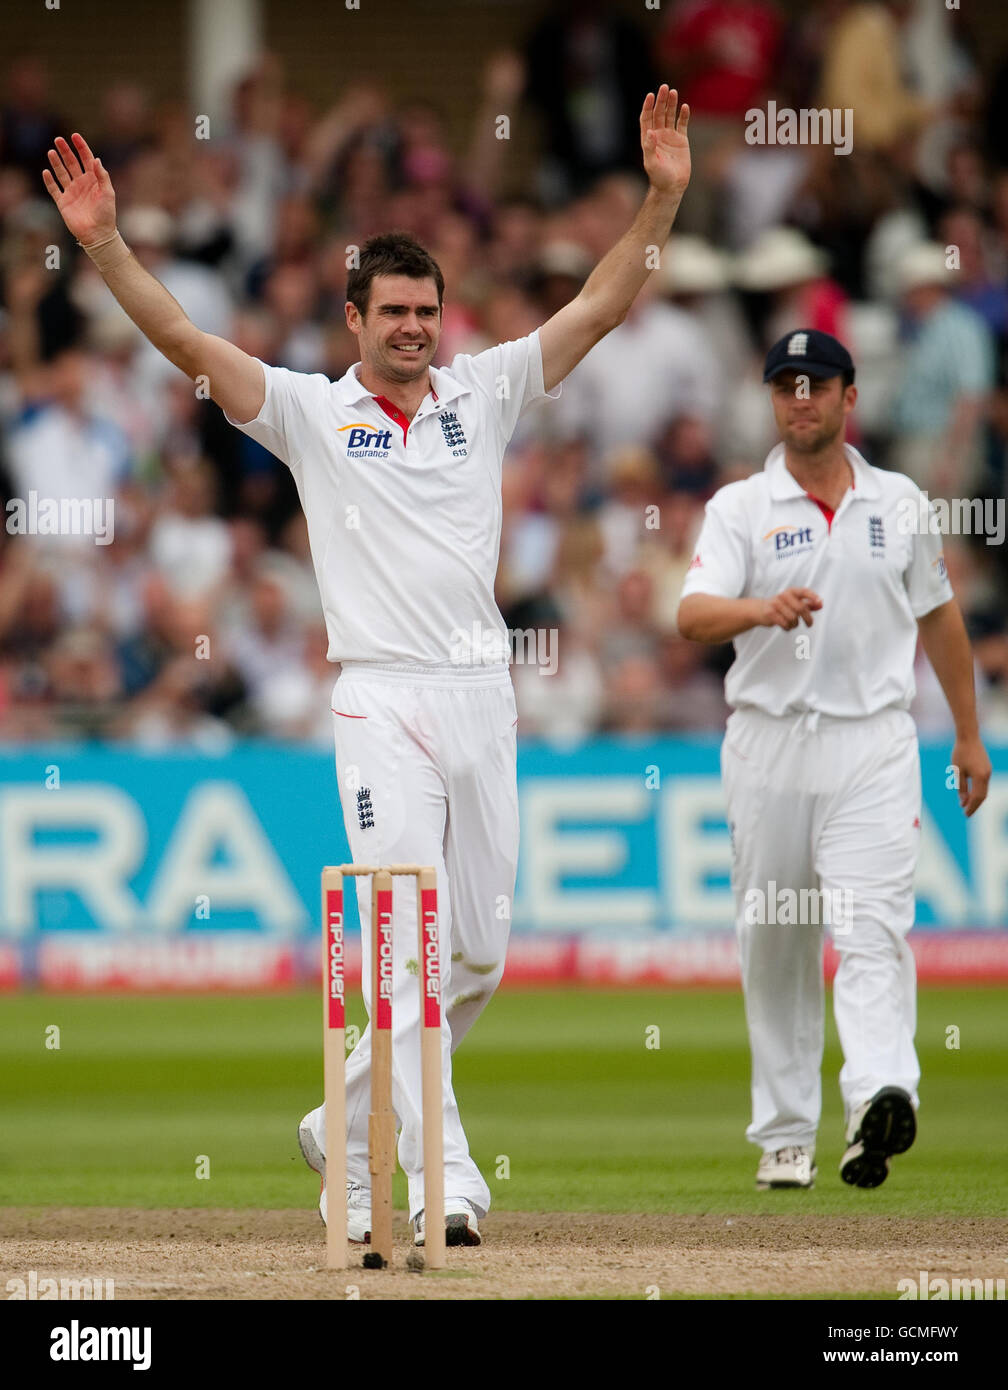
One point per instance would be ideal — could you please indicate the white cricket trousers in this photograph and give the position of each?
(834, 804)
(426, 764)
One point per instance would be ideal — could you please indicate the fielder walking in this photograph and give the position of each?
(398, 466)
(820, 760)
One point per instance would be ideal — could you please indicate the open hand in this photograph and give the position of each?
(82, 191)
(663, 140)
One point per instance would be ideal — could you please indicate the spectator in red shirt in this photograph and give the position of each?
(722, 53)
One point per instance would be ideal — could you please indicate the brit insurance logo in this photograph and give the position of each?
(363, 442)
(790, 540)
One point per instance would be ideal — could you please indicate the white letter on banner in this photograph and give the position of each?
(939, 880)
(218, 814)
(689, 855)
(98, 871)
(988, 845)
(552, 854)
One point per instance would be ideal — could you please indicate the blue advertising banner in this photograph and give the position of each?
(210, 864)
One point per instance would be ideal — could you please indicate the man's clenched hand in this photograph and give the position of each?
(789, 608)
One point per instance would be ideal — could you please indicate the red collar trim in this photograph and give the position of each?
(394, 413)
(828, 512)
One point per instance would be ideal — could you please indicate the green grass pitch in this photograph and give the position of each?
(565, 1105)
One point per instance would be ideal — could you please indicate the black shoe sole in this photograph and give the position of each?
(457, 1232)
(859, 1168)
(889, 1127)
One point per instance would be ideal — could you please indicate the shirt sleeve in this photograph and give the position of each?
(926, 578)
(509, 376)
(291, 409)
(720, 564)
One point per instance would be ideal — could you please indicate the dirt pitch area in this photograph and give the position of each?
(207, 1254)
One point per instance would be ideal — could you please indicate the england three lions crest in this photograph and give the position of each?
(454, 434)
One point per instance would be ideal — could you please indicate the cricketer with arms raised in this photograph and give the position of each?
(398, 466)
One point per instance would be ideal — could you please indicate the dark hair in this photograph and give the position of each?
(847, 377)
(392, 253)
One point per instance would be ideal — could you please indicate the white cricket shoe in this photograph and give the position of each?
(358, 1212)
(460, 1224)
(358, 1198)
(789, 1167)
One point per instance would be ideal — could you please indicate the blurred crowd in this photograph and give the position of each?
(200, 622)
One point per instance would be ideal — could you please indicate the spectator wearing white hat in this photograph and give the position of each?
(948, 372)
(786, 265)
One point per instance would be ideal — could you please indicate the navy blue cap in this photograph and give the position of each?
(807, 350)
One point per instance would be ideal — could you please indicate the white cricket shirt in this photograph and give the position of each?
(404, 519)
(875, 563)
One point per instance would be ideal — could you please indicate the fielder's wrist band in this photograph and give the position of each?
(108, 253)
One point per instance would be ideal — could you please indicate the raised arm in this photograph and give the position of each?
(617, 279)
(82, 191)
